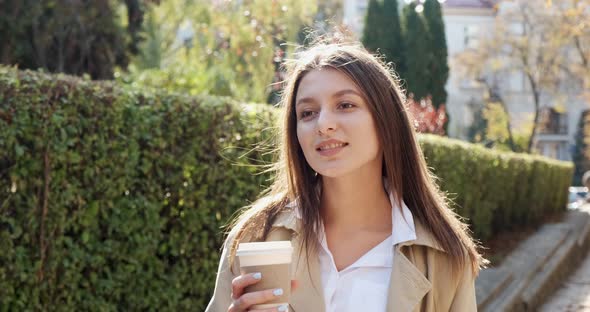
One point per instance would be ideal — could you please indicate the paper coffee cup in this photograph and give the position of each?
(273, 260)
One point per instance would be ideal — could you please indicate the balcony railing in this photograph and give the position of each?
(552, 122)
(557, 129)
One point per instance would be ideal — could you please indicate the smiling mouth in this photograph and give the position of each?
(331, 147)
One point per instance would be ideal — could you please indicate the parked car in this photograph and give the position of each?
(577, 196)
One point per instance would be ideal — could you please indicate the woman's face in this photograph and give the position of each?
(335, 127)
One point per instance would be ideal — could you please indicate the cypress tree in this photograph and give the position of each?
(372, 32)
(439, 68)
(417, 55)
(392, 43)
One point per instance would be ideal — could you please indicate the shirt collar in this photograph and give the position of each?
(403, 228)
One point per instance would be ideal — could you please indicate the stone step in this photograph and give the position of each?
(498, 293)
(560, 264)
(531, 254)
(490, 283)
(548, 278)
(534, 270)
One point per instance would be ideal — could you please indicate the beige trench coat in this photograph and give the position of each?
(421, 277)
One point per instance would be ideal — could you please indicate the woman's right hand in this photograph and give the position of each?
(243, 302)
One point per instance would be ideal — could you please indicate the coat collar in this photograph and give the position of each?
(407, 287)
(424, 237)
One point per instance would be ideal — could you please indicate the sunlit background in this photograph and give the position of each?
(511, 75)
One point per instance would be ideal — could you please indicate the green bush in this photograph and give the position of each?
(497, 191)
(113, 198)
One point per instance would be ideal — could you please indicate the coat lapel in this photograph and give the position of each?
(309, 295)
(407, 286)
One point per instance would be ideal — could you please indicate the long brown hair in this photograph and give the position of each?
(404, 166)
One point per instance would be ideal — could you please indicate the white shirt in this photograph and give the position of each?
(363, 285)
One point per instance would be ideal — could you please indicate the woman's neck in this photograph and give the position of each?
(356, 203)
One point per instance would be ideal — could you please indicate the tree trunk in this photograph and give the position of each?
(536, 119)
(496, 97)
(509, 128)
(581, 51)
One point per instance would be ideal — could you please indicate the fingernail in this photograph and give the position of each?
(278, 292)
(257, 275)
(283, 308)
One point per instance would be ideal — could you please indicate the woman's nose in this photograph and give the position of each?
(326, 122)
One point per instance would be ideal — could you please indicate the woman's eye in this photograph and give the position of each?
(305, 114)
(346, 105)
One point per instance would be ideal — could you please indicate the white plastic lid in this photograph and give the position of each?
(264, 253)
(258, 248)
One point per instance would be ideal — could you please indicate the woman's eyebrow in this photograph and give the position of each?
(344, 92)
(335, 95)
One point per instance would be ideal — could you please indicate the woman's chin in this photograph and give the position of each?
(332, 172)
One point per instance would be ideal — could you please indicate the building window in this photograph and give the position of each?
(470, 38)
(552, 121)
(517, 81)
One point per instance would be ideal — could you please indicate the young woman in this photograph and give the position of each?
(371, 230)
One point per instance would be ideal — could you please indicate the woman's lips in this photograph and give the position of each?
(331, 149)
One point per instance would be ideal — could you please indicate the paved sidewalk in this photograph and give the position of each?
(574, 293)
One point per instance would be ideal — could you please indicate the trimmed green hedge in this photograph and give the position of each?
(113, 199)
(497, 191)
